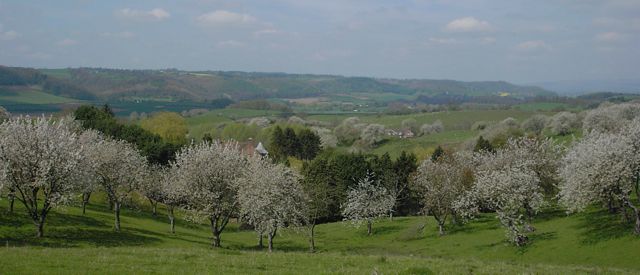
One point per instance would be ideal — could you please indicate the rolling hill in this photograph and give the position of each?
(175, 85)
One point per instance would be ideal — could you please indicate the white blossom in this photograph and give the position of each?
(327, 138)
(366, 202)
(603, 168)
(348, 130)
(88, 182)
(296, 120)
(562, 123)
(151, 186)
(509, 182)
(270, 197)
(436, 127)
(261, 122)
(440, 184)
(40, 159)
(4, 114)
(119, 169)
(372, 134)
(611, 118)
(535, 124)
(498, 134)
(410, 123)
(207, 173)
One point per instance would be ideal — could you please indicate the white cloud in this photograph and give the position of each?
(468, 24)
(223, 17)
(122, 35)
(533, 46)
(230, 44)
(67, 42)
(632, 24)
(156, 14)
(442, 41)
(607, 22)
(7, 35)
(324, 55)
(39, 55)
(487, 40)
(609, 37)
(266, 32)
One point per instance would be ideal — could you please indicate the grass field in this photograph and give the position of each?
(543, 106)
(457, 126)
(594, 242)
(198, 125)
(423, 146)
(31, 96)
(452, 120)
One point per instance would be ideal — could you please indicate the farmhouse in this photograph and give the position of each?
(251, 148)
(401, 133)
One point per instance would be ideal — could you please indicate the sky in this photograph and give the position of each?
(512, 40)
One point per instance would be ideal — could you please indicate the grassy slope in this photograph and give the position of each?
(458, 120)
(593, 242)
(32, 96)
(198, 125)
(457, 125)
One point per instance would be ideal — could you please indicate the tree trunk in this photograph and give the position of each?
(637, 230)
(154, 207)
(85, 200)
(312, 242)
(216, 233)
(611, 205)
(440, 220)
(637, 185)
(260, 245)
(40, 226)
(636, 213)
(369, 228)
(172, 219)
(454, 219)
(116, 211)
(12, 199)
(271, 235)
(440, 228)
(84, 207)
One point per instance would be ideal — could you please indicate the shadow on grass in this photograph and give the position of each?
(482, 222)
(550, 214)
(68, 230)
(279, 245)
(542, 236)
(74, 237)
(599, 226)
(384, 229)
(414, 232)
(20, 218)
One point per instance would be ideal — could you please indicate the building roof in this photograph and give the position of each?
(261, 150)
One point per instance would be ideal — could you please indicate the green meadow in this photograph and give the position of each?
(590, 243)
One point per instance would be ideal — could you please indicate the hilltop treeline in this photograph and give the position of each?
(10, 76)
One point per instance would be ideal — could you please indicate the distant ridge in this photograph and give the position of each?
(176, 85)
